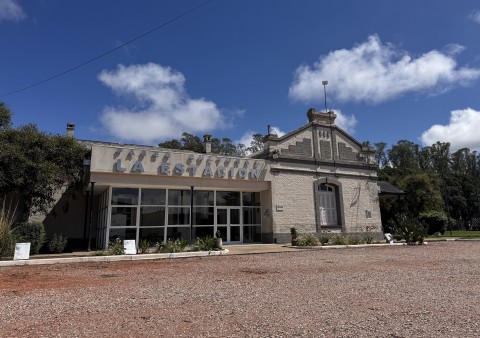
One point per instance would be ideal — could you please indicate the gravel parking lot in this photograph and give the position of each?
(401, 291)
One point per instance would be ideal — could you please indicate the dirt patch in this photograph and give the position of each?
(428, 291)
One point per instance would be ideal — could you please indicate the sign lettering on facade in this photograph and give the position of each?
(193, 165)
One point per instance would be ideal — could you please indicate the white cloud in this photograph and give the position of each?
(462, 130)
(246, 139)
(375, 72)
(276, 130)
(453, 49)
(165, 109)
(347, 123)
(475, 16)
(10, 10)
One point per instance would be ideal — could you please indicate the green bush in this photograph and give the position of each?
(170, 246)
(436, 221)
(324, 240)
(339, 240)
(355, 240)
(368, 239)
(33, 232)
(58, 243)
(206, 243)
(144, 246)
(408, 228)
(116, 247)
(307, 240)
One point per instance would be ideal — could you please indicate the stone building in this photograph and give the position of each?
(316, 178)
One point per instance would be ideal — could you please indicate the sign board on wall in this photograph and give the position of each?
(171, 163)
(129, 246)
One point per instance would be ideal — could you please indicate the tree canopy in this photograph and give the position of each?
(223, 146)
(436, 180)
(35, 165)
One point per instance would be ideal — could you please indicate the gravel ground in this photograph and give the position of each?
(407, 291)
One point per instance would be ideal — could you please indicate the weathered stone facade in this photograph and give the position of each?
(305, 176)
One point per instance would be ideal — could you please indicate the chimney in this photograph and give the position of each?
(70, 129)
(326, 119)
(207, 143)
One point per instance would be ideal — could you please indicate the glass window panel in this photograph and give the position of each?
(179, 197)
(228, 198)
(203, 197)
(122, 233)
(203, 216)
(153, 197)
(202, 231)
(235, 234)
(124, 196)
(251, 216)
(222, 216)
(178, 216)
(174, 233)
(153, 235)
(124, 217)
(251, 199)
(152, 216)
(252, 234)
(234, 216)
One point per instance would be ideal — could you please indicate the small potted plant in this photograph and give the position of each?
(218, 239)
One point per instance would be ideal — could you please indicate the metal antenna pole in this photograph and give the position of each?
(325, 93)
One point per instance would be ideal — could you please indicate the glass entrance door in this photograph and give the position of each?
(229, 225)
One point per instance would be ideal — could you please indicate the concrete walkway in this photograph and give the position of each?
(247, 249)
(84, 256)
(240, 249)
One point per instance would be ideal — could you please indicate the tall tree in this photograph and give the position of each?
(404, 156)
(191, 142)
(5, 116)
(256, 144)
(440, 157)
(35, 165)
(381, 154)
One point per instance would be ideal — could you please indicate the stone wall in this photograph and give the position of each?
(294, 205)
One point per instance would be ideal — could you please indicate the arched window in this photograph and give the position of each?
(327, 205)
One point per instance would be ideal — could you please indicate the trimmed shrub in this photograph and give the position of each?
(339, 240)
(355, 240)
(206, 243)
(436, 221)
(58, 243)
(170, 246)
(307, 240)
(324, 240)
(33, 232)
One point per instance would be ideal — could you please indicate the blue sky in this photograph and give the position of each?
(396, 69)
